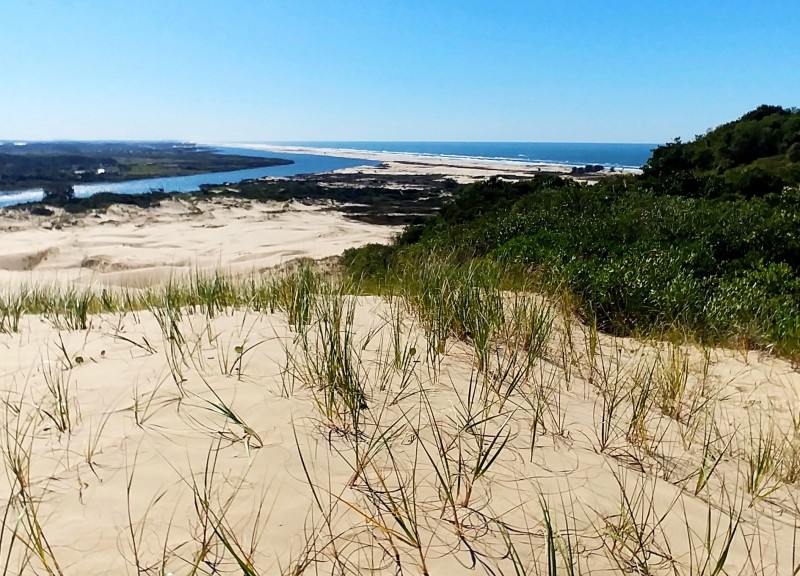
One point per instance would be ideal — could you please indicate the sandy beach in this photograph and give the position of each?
(463, 170)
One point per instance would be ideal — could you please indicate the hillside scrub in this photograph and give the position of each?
(718, 270)
(755, 155)
(703, 244)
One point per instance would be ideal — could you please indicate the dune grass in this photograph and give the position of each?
(467, 456)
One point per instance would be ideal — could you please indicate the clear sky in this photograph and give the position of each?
(262, 70)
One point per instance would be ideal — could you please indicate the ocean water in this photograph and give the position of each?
(303, 164)
(569, 153)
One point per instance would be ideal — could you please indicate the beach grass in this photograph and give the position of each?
(451, 422)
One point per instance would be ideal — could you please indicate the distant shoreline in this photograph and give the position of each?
(463, 169)
(293, 164)
(435, 157)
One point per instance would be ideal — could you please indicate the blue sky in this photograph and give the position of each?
(260, 70)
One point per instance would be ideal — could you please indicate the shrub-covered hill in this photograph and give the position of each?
(755, 155)
(720, 268)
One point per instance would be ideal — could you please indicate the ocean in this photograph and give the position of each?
(568, 153)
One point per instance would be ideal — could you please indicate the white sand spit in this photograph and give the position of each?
(461, 169)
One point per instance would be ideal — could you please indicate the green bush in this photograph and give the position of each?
(368, 262)
(720, 268)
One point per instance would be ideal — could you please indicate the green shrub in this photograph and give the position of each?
(370, 262)
(719, 268)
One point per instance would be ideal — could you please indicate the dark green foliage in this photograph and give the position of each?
(371, 261)
(41, 211)
(753, 156)
(793, 153)
(389, 199)
(58, 193)
(100, 201)
(636, 260)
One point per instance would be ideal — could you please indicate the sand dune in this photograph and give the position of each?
(228, 454)
(133, 247)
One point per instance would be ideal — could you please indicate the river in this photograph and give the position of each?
(303, 164)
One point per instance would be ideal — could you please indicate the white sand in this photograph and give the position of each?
(129, 246)
(158, 451)
(461, 169)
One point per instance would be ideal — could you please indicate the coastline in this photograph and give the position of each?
(228, 232)
(463, 169)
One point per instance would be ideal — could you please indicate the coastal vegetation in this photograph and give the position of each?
(390, 200)
(703, 245)
(756, 155)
